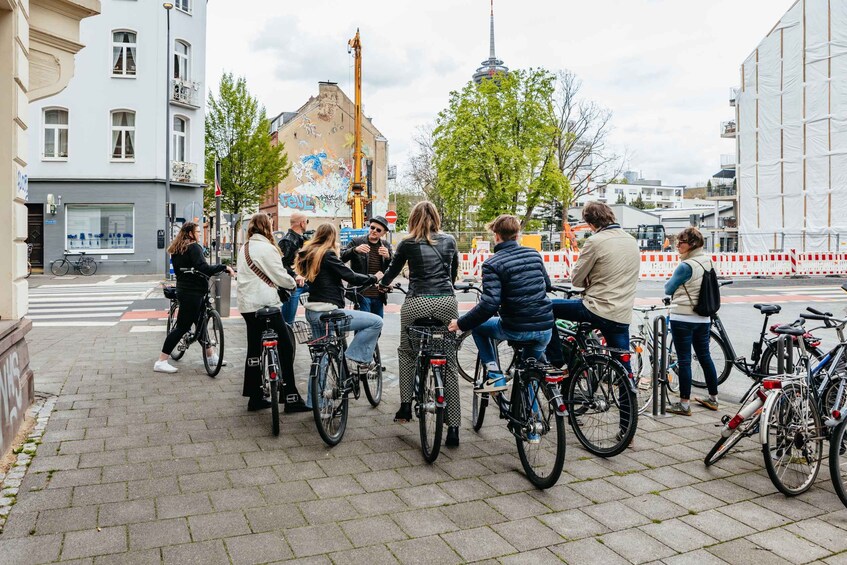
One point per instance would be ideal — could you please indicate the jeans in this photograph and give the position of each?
(485, 333)
(372, 304)
(616, 334)
(685, 335)
(289, 309)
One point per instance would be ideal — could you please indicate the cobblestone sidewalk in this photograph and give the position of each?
(139, 467)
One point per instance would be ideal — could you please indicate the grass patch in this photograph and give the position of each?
(656, 521)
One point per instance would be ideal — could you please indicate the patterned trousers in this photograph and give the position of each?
(444, 308)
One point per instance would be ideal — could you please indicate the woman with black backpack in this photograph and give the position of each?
(688, 327)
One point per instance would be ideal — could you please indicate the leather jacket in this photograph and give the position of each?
(432, 267)
(359, 261)
(290, 244)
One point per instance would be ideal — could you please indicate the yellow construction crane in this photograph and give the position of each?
(355, 199)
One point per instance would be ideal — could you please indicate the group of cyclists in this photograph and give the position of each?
(514, 304)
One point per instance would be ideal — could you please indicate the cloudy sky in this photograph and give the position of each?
(664, 67)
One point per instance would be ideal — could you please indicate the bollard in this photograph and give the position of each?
(660, 365)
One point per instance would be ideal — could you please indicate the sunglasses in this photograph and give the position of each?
(377, 229)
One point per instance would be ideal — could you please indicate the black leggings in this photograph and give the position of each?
(190, 307)
(285, 347)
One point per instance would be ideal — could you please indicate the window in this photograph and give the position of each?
(180, 148)
(182, 56)
(99, 226)
(123, 135)
(55, 134)
(184, 5)
(123, 53)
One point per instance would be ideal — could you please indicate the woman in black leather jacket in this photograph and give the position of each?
(433, 265)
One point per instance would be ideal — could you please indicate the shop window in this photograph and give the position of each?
(55, 134)
(124, 48)
(98, 227)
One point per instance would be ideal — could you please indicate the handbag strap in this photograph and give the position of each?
(254, 268)
(440, 260)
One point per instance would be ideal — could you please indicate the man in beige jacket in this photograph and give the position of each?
(608, 270)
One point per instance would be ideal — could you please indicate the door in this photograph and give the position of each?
(35, 234)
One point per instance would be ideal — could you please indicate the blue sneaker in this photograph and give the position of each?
(495, 382)
(533, 437)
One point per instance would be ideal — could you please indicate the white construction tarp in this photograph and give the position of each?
(792, 133)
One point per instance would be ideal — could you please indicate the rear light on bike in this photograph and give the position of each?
(733, 423)
(273, 376)
(554, 379)
(625, 357)
(439, 399)
(771, 384)
(438, 362)
(836, 414)
(269, 344)
(571, 339)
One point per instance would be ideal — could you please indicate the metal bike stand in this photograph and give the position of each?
(783, 346)
(660, 366)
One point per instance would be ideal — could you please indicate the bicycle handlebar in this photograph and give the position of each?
(818, 312)
(724, 283)
(466, 287)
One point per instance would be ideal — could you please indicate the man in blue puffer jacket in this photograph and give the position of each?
(515, 282)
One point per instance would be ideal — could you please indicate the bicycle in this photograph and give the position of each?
(373, 386)
(466, 351)
(84, 265)
(269, 363)
(641, 372)
(208, 329)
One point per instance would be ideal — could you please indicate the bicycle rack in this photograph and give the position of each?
(660, 365)
(784, 345)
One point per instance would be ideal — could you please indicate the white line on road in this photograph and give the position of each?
(60, 316)
(73, 324)
(147, 329)
(81, 310)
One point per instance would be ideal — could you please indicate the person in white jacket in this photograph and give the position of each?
(254, 293)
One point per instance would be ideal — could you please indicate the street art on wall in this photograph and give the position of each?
(324, 180)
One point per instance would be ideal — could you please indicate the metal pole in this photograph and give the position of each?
(660, 365)
(217, 214)
(780, 355)
(168, 226)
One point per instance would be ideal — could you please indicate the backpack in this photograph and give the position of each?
(709, 301)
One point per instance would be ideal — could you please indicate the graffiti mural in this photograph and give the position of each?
(324, 180)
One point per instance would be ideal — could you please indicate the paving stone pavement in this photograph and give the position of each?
(140, 467)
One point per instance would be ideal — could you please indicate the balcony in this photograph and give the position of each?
(728, 162)
(183, 172)
(728, 223)
(727, 192)
(728, 129)
(186, 93)
(733, 96)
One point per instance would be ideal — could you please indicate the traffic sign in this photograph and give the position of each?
(391, 216)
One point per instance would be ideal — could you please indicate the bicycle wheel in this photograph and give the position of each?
(430, 415)
(182, 345)
(275, 406)
(724, 444)
(768, 364)
(87, 266)
(838, 461)
(719, 353)
(793, 447)
(642, 377)
(60, 267)
(467, 354)
(213, 335)
(373, 380)
(601, 405)
(541, 437)
(329, 400)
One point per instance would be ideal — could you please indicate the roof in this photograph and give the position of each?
(724, 174)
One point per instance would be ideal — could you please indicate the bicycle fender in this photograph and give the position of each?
(439, 388)
(764, 416)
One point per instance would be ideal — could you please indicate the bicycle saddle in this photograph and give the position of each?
(429, 322)
(267, 312)
(333, 316)
(768, 308)
(789, 330)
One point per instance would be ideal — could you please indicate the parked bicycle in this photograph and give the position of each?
(84, 265)
(208, 330)
(269, 363)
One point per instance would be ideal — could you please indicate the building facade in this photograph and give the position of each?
(38, 41)
(651, 192)
(318, 139)
(791, 133)
(98, 168)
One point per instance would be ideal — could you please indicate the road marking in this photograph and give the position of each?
(73, 324)
(147, 329)
(78, 310)
(60, 316)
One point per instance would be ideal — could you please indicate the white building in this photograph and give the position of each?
(791, 133)
(652, 192)
(98, 163)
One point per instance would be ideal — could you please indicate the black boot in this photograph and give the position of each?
(452, 437)
(404, 414)
(294, 403)
(258, 403)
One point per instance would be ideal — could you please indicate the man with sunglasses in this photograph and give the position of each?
(290, 244)
(370, 254)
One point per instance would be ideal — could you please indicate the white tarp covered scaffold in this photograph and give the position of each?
(792, 133)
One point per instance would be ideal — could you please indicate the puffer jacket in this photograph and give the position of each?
(253, 292)
(432, 267)
(515, 282)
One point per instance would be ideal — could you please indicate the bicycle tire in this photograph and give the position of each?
(329, 400)
(181, 346)
(430, 416)
(720, 357)
(60, 267)
(215, 340)
(467, 354)
(837, 468)
(724, 444)
(479, 404)
(275, 407)
(643, 383)
(790, 401)
(372, 380)
(87, 266)
(535, 394)
(768, 365)
(590, 400)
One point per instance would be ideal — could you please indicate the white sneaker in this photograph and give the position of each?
(213, 361)
(164, 367)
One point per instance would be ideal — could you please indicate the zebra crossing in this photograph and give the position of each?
(97, 304)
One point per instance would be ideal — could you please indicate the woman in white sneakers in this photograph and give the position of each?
(261, 271)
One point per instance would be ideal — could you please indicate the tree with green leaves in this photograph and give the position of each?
(237, 134)
(495, 149)
(621, 199)
(639, 203)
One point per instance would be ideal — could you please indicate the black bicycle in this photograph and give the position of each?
(208, 329)
(269, 363)
(84, 265)
(373, 386)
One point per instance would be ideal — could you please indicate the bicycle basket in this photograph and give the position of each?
(170, 292)
(432, 339)
(329, 330)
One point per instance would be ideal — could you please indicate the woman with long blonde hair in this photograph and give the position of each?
(433, 266)
(320, 265)
(262, 271)
(187, 253)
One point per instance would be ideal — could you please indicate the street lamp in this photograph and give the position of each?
(168, 6)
